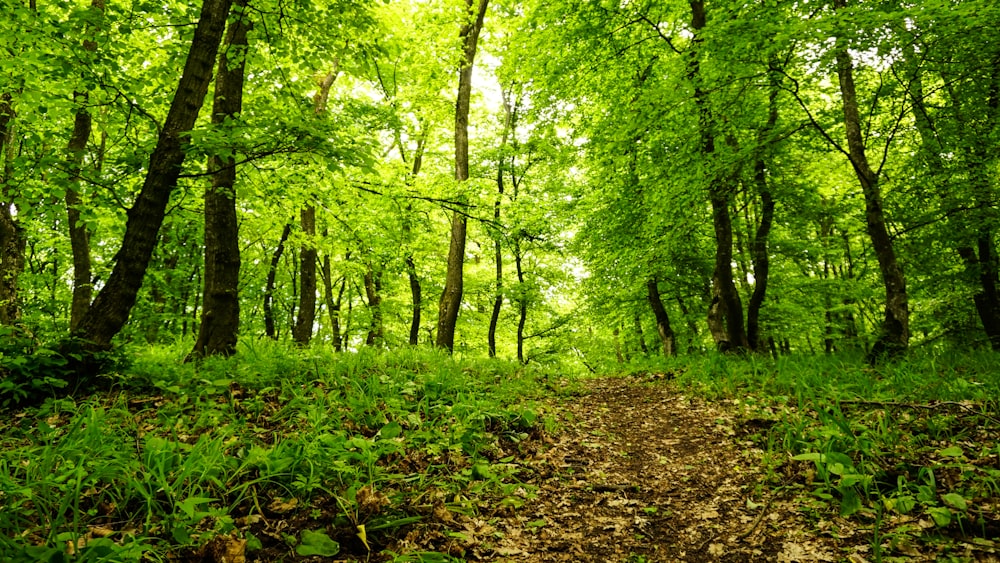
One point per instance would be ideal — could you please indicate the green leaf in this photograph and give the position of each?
(390, 431)
(941, 516)
(188, 505)
(850, 502)
(811, 456)
(953, 451)
(955, 500)
(317, 543)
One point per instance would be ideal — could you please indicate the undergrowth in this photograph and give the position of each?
(284, 453)
(909, 450)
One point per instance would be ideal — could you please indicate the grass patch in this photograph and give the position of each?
(286, 453)
(909, 451)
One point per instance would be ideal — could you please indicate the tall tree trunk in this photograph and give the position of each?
(497, 247)
(759, 252)
(373, 291)
(522, 301)
(79, 236)
(12, 241)
(726, 303)
(272, 276)
(110, 309)
(220, 310)
(451, 297)
(416, 297)
(667, 341)
(895, 333)
(302, 331)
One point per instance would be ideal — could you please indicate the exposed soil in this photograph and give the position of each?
(642, 473)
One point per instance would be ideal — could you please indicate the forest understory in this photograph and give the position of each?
(413, 456)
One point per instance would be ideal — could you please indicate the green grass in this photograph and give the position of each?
(910, 450)
(347, 449)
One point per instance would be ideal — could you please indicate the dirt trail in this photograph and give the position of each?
(643, 474)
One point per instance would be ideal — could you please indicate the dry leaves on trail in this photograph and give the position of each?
(640, 473)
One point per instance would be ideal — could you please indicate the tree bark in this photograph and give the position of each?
(497, 247)
(110, 310)
(302, 331)
(416, 297)
(373, 290)
(726, 303)
(668, 342)
(79, 235)
(895, 332)
(759, 251)
(272, 276)
(220, 310)
(12, 241)
(451, 297)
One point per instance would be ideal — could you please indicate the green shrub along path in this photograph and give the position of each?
(281, 454)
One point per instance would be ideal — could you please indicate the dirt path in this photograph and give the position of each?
(643, 474)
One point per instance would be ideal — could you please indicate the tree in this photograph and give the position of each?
(110, 310)
(451, 297)
(220, 310)
(895, 334)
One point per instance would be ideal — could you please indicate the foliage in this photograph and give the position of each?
(908, 448)
(347, 447)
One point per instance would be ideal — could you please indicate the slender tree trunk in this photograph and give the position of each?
(79, 236)
(12, 241)
(497, 247)
(667, 341)
(522, 301)
(110, 309)
(726, 303)
(302, 331)
(451, 297)
(220, 310)
(895, 333)
(272, 276)
(759, 251)
(416, 297)
(373, 290)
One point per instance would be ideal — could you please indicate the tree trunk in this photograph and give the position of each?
(373, 290)
(272, 275)
(895, 333)
(220, 310)
(726, 303)
(79, 236)
(759, 252)
(302, 331)
(411, 267)
(667, 341)
(451, 297)
(522, 301)
(508, 125)
(12, 241)
(416, 299)
(110, 309)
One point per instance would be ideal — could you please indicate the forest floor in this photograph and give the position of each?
(642, 473)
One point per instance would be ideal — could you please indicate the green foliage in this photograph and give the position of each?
(273, 432)
(909, 439)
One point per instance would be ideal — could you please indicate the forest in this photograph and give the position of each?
(287, 280)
